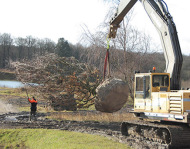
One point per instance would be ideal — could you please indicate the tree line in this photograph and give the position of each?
(18, 49)
(125, 58)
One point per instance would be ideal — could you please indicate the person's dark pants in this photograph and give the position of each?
(32, 114)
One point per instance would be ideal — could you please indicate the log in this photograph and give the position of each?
(112, 94)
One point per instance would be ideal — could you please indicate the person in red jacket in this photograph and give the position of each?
(33, 107)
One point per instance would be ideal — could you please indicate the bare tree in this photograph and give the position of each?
(30, 44)
(6, 42)
(45, 46)
(127, 50)
(21, 44)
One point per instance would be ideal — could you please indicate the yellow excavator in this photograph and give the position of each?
(157, 95)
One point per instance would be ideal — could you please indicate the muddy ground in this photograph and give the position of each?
(110, 130)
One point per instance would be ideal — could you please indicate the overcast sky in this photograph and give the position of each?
(180, 12)
(63, 18)
(50, 18)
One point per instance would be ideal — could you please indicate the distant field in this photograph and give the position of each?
(54, 139)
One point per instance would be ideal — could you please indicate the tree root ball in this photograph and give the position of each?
(112, 94)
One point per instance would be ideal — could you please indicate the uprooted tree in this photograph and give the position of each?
(128, 51)
(64, 82)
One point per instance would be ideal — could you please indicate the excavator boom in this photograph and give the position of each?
(123, 8)
(159, 15)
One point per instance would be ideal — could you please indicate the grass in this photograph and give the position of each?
(18, 92)
(92, 116)
(54, 139)
(7, 75)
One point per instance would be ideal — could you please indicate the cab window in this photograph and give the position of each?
(142, 87)
(160, 80)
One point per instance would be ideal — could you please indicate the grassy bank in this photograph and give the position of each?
(54, 139)
(93, 116)
(13, 92)
(7, 75)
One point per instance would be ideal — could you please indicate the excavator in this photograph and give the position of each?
(158, 96)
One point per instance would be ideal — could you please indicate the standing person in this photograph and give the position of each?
(33, 107)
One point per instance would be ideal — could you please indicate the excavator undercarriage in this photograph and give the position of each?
(171, 134)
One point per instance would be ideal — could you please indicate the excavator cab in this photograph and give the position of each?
(146, 83)
(153, 98)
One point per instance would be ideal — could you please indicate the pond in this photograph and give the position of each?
(11, 84)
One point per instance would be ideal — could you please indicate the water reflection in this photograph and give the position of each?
(11, 84)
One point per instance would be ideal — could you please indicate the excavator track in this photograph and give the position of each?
(173, 135)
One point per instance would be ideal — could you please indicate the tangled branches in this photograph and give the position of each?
(66, 83)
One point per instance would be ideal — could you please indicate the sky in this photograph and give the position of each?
(54, 19)
(180, 12)
(50, 18)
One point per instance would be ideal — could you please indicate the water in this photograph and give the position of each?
(10, 118)
(15, 84)
(11, 84)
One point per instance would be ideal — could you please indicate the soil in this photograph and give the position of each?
(13, 120)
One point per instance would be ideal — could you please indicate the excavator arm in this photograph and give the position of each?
(159, 15)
